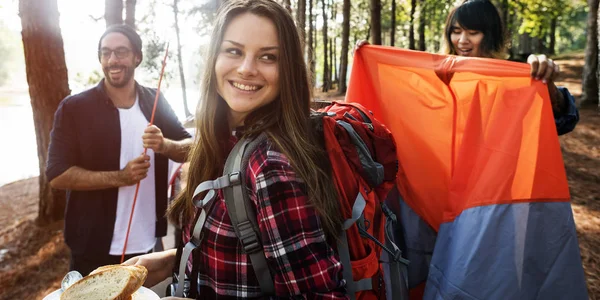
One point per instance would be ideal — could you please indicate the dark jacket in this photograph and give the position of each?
(87, 133)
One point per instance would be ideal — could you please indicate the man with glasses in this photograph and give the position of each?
(95, 154)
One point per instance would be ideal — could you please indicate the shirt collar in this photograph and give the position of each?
(101, 90)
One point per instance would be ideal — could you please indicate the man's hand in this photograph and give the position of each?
(154, 139)
(174, 150)
(135, 170)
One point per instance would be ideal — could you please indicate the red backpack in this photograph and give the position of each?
(364, 164)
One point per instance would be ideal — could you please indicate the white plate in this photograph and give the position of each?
(142, 293)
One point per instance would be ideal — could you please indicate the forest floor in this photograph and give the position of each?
(34, 259)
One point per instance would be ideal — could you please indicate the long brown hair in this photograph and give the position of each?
(286, 120)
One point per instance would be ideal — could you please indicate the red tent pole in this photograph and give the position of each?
(137, 187)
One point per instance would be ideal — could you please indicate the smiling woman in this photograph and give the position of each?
(247, 66)
(259, 86)
(474, 29)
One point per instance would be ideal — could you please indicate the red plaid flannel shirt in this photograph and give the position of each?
(303, 264)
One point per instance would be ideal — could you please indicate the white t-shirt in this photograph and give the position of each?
(143, 225)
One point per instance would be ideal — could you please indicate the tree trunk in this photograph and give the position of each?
(411, 28)
(301, 20)
(287, 5)
(509, 32)
(598, 51)
(179, 59)
(589, 93)
(422, 25)
(342, 87)
(48, 85)
(113, 12)
(541, 40)
(334, 59)
(504, 9)
(436, 28)
(552, 44)
(376, 22)
(130, 13)
(326, 71)
(331, 63)
(316, 44)
(526, 46)
(393, 24)
(311, 42)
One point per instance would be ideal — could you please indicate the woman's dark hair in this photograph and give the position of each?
(480, 15)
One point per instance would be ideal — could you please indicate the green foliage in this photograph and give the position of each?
(571, 32)
(205, 13)
(87, 80)
(537, 15)
(155, 45)
(154, 51)
(360, 24)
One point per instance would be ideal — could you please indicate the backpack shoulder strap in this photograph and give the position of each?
(230, 178)
(205, 205)
(241, 213)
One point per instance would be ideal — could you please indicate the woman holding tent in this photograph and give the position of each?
(259, 83)
(475, 29)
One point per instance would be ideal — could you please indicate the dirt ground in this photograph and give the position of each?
(33, 259)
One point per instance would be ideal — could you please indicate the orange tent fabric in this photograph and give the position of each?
(470, 131)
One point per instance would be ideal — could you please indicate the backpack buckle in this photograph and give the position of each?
(389, 213)
(249, 238)
(397, 256)
(234, 178)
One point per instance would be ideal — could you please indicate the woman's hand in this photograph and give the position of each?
(546, 70)
(543, 68)
(159, 265)
(359, 44)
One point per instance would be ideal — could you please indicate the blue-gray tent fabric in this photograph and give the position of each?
(508, 251)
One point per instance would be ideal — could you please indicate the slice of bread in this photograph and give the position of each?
(114, 282)
(138, 271)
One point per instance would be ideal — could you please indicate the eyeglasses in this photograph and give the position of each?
(120, 53)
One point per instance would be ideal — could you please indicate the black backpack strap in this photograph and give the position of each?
(395, 266)
(242, 214)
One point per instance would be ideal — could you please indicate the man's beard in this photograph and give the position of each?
(126, 75)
